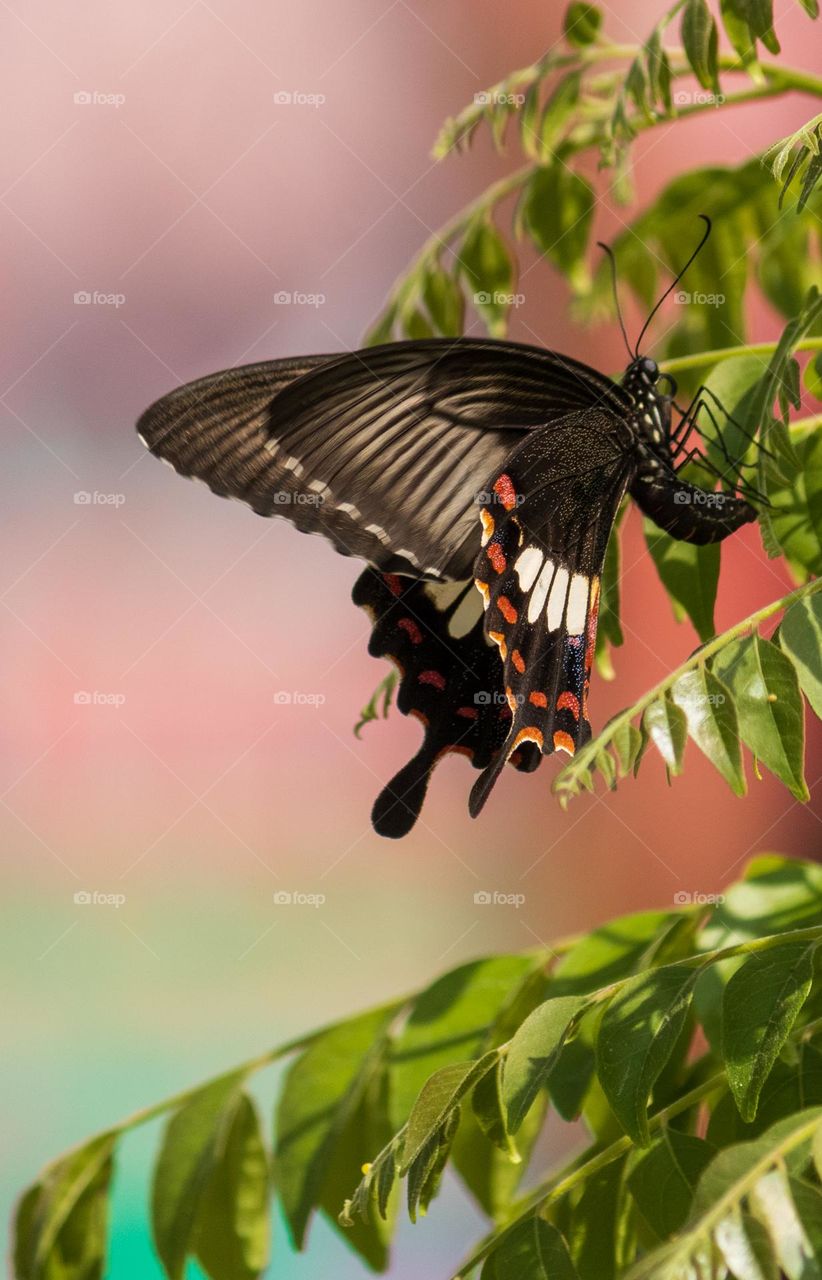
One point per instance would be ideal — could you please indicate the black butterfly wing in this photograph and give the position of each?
(546, 527)
(450, 680)
(381, 450)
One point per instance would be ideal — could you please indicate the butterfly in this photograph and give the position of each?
(480, 479)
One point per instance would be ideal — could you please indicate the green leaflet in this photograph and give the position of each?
(486, 263)
(760, 1005)
(636, 1037)
(438, 1098)
(689, 573)
(800, 636)
(557, 210)
(533, 1052)
(233, 1227)
(60, 1223)
(321, 1090)
(193, 1144)
(663, 1180)
(765, 689)
(712, 722)
(533, 1250)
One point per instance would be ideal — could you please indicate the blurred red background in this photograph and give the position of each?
(195, 198)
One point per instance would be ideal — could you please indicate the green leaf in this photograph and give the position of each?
(769, 708)
(761, 1004)
(456, 1017)
(795, 515)
(367, 1131)
(193, 1143)
(712, 722)
(491, 1175)
(663, 1180)
(594, 1224)
(321, 1090)
(426, 1169)
(637, 1035)
(721, 1194)
(445, 302)
(60, 1224)
(534, 1051)
(437, 1100)
(787, 1089)
(232, 1229)
(488, 1106)
(382, 694)
(557, 210)
(699, 39)
(581, 23)
(808, 1201)
(558, 111)
(609, 628)
(689, 573)
(532, 1250)
(667, 726)
(485, 261)
(800, 636)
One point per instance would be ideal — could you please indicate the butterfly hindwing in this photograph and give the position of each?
(450, 680)
(546, 523)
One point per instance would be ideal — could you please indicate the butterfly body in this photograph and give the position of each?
(480, 480)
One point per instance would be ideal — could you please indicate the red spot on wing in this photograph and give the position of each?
(432, 677)
(505, 491)
(409, 625)
(496, 556)
(470, 713)
(507, 610)
(518, 661)
(568, 702)
(393, 583)
(538, 699)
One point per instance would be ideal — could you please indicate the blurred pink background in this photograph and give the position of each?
(193, 198)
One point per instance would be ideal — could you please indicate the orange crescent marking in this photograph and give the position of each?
(499, 640)
(564, 742)
(568, 701)
(538, 699)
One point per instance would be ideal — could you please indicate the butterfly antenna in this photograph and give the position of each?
(612, 260)
(675, 281)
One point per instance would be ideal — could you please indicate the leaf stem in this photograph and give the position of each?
(699, 359)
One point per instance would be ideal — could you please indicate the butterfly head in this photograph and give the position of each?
(652, 393)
